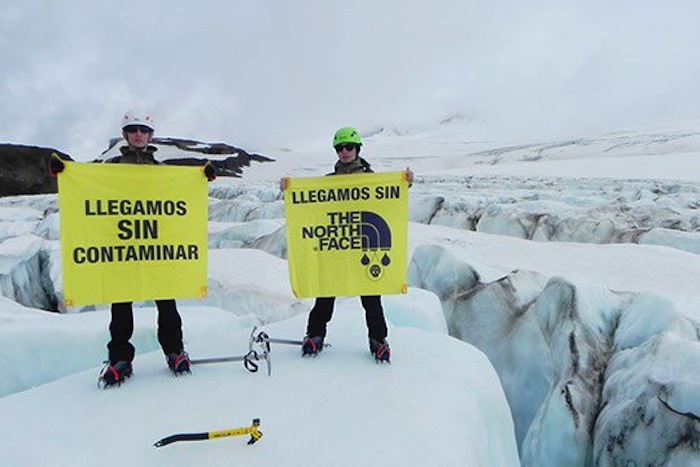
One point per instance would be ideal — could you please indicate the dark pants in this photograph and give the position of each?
(322, 312)
(121, 328)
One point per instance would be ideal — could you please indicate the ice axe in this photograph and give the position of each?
(255, 435)
(249, 360)
(265, 340)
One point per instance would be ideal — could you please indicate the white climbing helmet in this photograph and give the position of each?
(137, 117)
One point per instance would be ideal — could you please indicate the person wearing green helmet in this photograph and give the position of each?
(347, 143)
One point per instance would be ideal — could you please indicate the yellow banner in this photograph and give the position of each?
(132, 232)
(346, 234)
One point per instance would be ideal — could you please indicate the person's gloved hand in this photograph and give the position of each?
(408, 174)
(56, 165)
(284, 183)
(209, 171)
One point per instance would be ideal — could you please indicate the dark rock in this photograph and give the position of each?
(231, 166)
(24, 170)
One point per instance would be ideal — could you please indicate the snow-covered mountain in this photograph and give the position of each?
(575, 274)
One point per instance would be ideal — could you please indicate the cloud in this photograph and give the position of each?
(268, 74)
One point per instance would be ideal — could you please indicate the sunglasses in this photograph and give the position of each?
(140, 128)
(346, 146)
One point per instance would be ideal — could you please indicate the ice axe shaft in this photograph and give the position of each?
(265, 340)
(249, 360)
(273, 340)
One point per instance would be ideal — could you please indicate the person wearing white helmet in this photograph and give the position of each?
(137, 129)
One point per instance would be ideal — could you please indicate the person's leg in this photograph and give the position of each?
(374, 315)
(376, 327)
(319, 316)
(169, 327)
(121, 329)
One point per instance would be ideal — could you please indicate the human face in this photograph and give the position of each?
(138, 136)
(346, 152)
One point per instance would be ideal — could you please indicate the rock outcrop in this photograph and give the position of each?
(24, 169)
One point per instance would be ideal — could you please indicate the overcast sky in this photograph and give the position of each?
(268, 74)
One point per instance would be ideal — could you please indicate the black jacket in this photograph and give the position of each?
(135, 156)
(358, 165)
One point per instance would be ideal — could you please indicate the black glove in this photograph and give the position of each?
(209, 171)
(56, 165)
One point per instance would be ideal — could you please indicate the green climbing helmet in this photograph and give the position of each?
(347, 135)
